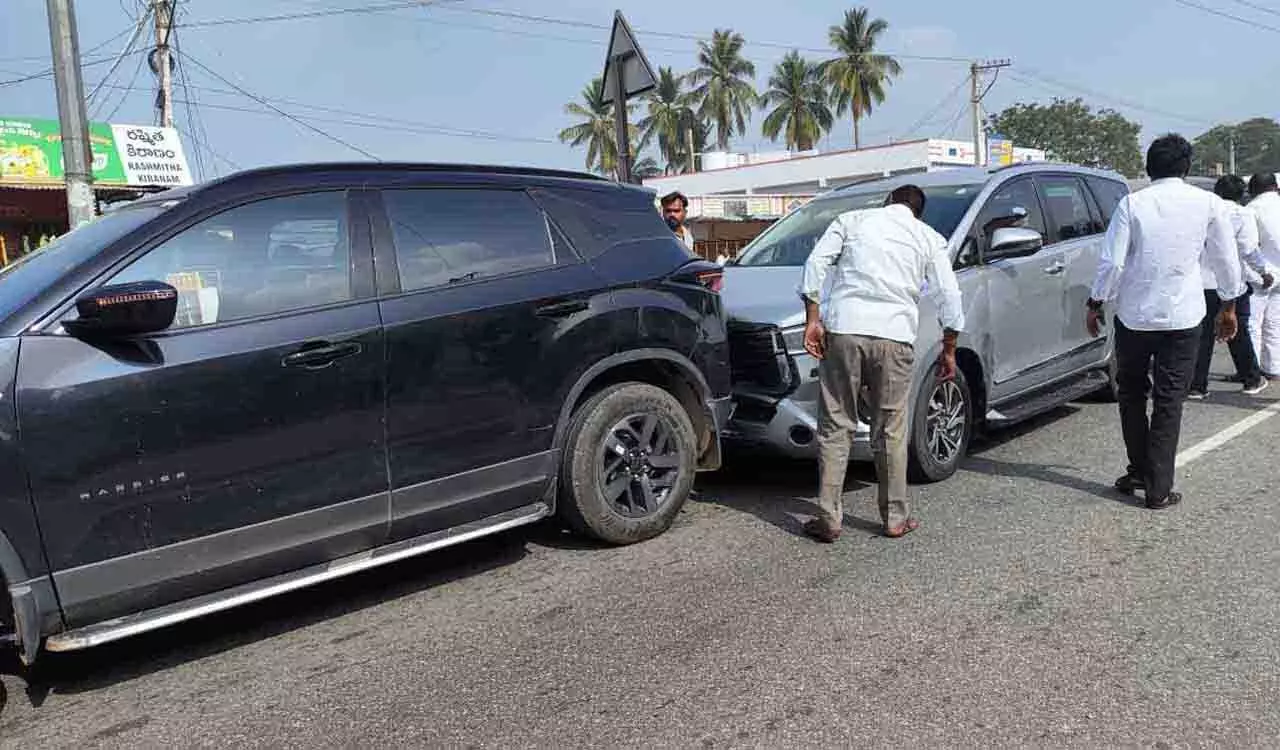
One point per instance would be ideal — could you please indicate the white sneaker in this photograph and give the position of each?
(1256, 388)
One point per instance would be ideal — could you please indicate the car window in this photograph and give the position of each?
(27, 277)
(1109, 193)
(1067, 208)
(1013, 204)
(790, 241)
(258, 259)
(446, 236)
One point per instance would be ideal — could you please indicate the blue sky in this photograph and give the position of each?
(449, 67)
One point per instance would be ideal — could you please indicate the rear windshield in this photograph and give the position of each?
(24, 279)
(789, 242)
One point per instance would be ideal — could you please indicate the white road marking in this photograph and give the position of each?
(1227, 435)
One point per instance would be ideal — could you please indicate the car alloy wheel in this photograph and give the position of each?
(946, 422)
(639, 465)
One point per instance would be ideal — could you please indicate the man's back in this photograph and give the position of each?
(881, 259)
(1159, 241)
(1266, 211)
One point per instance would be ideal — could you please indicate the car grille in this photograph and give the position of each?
(759, 358)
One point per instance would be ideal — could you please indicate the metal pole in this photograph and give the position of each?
(693, 165)
(1231, 168)
(975, 105)
(620, 120)
(164, 23)
(72, 120)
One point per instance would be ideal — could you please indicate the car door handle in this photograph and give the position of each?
(563, 309)
(316, 356)
(1056, 268)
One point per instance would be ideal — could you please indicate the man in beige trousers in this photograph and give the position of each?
(864, 332)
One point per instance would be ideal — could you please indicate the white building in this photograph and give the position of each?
(735, 196)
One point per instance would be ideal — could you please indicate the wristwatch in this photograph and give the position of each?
(1094, 304)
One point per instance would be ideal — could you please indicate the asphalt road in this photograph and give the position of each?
(1034, 608)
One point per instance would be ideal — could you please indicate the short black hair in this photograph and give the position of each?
(910, 196)
(1230, 187)
(1262, 182)
(676, 196)
(1169, 156)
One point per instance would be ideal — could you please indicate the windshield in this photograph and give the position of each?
(789, 242)
(24, 279)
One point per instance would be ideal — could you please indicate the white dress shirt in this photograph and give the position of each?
(1266, 210)
(882, 258)
(1159, 240)
(1244, 225)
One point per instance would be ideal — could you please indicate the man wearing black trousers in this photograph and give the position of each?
(1150, 269)
(1244, 226)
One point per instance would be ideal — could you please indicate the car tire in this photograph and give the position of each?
(623, 498)
(926, 460)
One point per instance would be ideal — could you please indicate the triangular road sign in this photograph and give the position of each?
(626, 58)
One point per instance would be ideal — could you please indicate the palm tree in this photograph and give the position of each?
(645, 168)
(859, 76)
(671, 117)
(800, 103)
(725, 93)
(596, 131)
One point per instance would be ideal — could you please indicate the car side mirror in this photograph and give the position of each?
(124, 310)
(1014, 242)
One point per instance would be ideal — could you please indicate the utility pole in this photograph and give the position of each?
(976, 94)
(693, 164)
(72, 120)
(163, 11)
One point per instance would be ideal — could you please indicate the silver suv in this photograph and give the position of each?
(1025, 240)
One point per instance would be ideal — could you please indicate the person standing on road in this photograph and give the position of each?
(1158, 241)
(864, 333)
(675, 211)
(1245, 227)
(1264, 325)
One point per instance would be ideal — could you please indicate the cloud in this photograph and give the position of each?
(924, 40)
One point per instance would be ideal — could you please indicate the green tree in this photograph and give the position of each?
(800, 103)
(1071, 131)
(860, 75)
(596, 131)
(725, 93)
(645, 168)
(1257, 148)
(671, 118)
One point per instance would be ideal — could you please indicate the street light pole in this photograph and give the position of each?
(72, 119)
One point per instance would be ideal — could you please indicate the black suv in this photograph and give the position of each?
(214, 395)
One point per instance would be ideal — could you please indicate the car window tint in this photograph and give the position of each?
(597, 220)
(1013, 204)
(258, 259)
(1109, 193)
(1068, 208)
(454, 236)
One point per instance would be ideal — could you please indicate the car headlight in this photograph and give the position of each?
(793, 340)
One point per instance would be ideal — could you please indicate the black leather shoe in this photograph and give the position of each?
(1129, 484)
(1170, 500)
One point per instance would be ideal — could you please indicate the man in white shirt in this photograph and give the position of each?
(1231, 189)
(1264, 325)
(675, 211)
(864, 332)
(1157, 243)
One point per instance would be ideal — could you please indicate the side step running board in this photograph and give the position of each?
(171, 614)
(1037, 403)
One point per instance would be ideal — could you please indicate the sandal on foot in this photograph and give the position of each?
(907, 527)
(820, 530)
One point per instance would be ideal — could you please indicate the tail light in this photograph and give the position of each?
(705, 274)
(713, 280)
